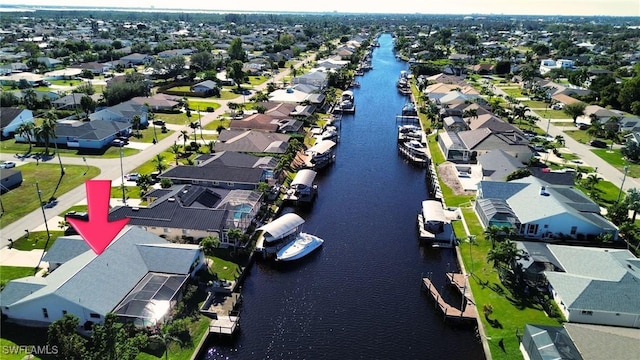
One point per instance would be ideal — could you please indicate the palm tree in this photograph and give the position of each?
(30, 98)
(633, 202)
(26, 129)
(166, 339)
(136, 123)
(209, 244)
(591, 181)
(159, 162)
(194, 126)
(560, 140)
(492, 233)
(175, 150)
(575, 110)
(144, 184)
(235, 234)
(47, 130)
(184, 134)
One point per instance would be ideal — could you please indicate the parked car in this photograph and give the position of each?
(558, 106)
(159, 122)
(7, 165)
(132, 177)
(598, 143)
(582, 126)
(117, 142)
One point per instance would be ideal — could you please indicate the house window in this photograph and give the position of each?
(64, 312)
(94, 316)
(574, 230)
(587, 312)
(216, 183)
(45, 313)
(532, 229)
(165, 230)
(185, 232)
(230, 184)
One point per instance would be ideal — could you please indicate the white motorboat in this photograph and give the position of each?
(303, 245)
(347, 101)
(416, 148)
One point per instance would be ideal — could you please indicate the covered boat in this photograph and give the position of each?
(303, 245)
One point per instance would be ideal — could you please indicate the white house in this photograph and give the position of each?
(139, 277)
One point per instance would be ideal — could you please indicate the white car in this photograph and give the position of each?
(132, 177)
(7, 165)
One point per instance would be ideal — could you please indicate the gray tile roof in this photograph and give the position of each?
(65, 248)
(497, 164)
(605, 342)
(168, 214)
(92, 130)
(251, 141)
(215, 173)
(596, 279)
(99, 283)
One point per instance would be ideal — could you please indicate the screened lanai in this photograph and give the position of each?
(496, 212)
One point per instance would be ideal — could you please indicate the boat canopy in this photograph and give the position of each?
(321, 147)
(432, 211)
(281, 227)
(304, 178)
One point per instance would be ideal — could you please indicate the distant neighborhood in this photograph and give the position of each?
(224, 119)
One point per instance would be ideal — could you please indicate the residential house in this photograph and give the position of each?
(466, 146)
(579, 342)
(69, 102)
(136, 59)
(454, 124)
(497, 165)
(48, 62)
(95, 67)
(598, 112)
(194, 212)
(9, 179)
(560, 211)
(319, 79)
(93, 134)
(251, 141)
(159, 102)
(11, 68)
(11, 118)
(123, 112)
(204, 87)
(141, 278)
(331, 63)
(226, 170)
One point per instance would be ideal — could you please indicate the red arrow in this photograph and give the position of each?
(98, 232)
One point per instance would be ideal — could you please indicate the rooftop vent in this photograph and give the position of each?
(135, 209)
(171, 199)
(543, 191)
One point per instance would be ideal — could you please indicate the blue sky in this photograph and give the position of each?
(528, 7)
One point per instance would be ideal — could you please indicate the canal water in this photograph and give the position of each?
(359, 296)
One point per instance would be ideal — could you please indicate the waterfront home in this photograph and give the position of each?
(11, 118)
(224, 177)
(579, 341)
(191, 212)
(560, 211)
(251, 141)
(141, 277)
(583, 280)
(497, 165)
(465, 146)
(316, 78)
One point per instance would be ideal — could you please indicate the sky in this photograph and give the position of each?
(510, 7)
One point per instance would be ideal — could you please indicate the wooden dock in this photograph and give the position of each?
(469, 313)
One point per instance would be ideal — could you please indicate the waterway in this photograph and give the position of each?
(359, 296)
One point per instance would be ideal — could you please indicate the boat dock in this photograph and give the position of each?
(224, 325)
(469, 311)
(416, 160)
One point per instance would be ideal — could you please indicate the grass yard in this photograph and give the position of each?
(197, 328)
(8, 273)
(580, 136)
(77, 208)
(24, 199)
(213, 125)
(511, 312)
(257, 80)
(147, 134)
(438, 158)
(66, 82)
(615, 159)
(607, 192)
(37, 240)
(555, 114)
(13, 334)
(534, 104)
(202, 106)
(12, 147)
(130, 192)
(513, 92)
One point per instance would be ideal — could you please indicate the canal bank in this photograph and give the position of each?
(358, 296)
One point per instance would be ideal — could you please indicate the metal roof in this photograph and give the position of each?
(285, 225)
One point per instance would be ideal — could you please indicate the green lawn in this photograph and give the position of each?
(510, 311)
(615, 158)
(513, 92)
(147, 134)
(24, 199)
(37, 240)
(177, 119)
(257, 80)
(76, 208)
(533, 104)
(580, 136)
(12, 147)
(554, 114)
(13, 334)
(438, 158)
(202, 105)
(197, 328)
(66, 82)
(215, 123)
(8, 273)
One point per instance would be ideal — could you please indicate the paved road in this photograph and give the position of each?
(604, 169)
(110, 169)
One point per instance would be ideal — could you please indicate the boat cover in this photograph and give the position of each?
(286, 224)
(432, 211)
